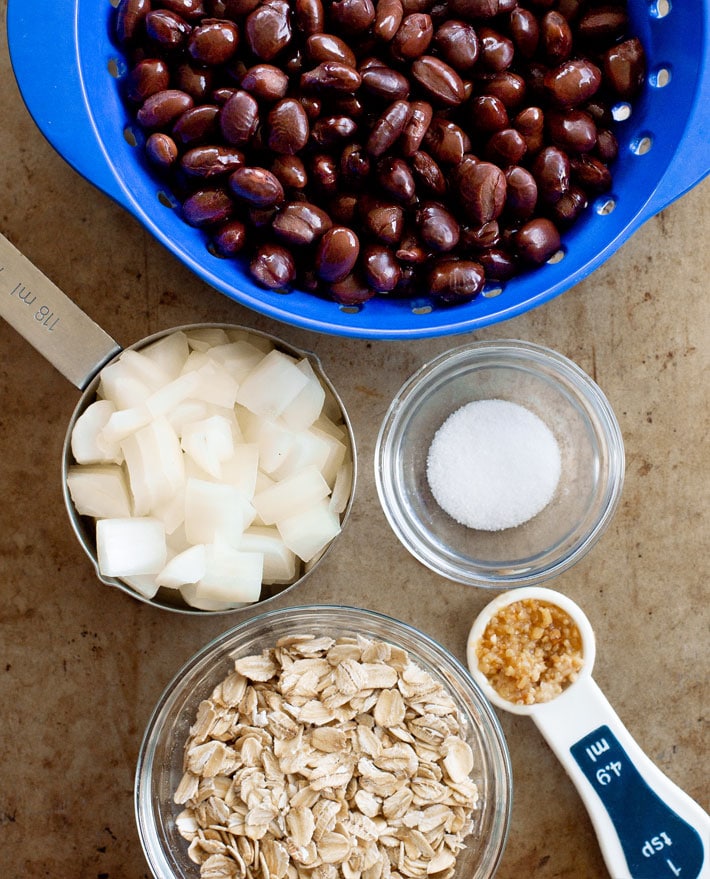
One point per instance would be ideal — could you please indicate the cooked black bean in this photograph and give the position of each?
(551, 170)
(395, 177)
(383, 221)
(566, 211)
(388, 127)
(330, 131)
(446, 141)
(556, 37)
(239, 118)
(388, 17)
(163, 108)
(437, 227)
(148, 76)
(537, 240)
(256, 186)
(572, 130)
(130, 18)
(194, 79)
(301, 223)
(457, 42)
(229, 238)
(288, 127)
(166, 29)
(290, 171)
(273, 266)
(413, 37)
(328, 47)
(591, 174)
(354, 164)
(452, 280)
(213, 42)
(505, 147)
(268, 29)
(573, 82)
(385, 83)
(265, 82)
(331, 76)
(496, 51)
(624, 66)
(336, 254)
(481, 189)
(351, 17)
(441, 82)
(196, 124)
(419, 120)
(382, 268)
(310, 16)
(487, 113)
(524, 31)
(521, 193)
(211, 161)
(530, 122)
(207, 206)
(428, 174)
(161, 150)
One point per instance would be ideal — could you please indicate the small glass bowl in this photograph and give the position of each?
(592, 463)
(160, 761)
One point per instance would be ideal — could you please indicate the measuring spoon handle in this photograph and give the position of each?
(49, 320)
(648, 828)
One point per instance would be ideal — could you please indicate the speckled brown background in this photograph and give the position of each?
(81, 665)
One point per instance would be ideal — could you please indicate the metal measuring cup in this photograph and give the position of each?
(79, 349)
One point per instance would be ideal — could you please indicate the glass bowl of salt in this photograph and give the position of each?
(499, 464)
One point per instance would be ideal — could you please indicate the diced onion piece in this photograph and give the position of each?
(215, 385)
(273, 383)
(128, 546)
(204, 338)
(242, 468)
(271, 435)
(309, 531)
(306, 450)
(121, 424)
(84, 438)
(279, 560)
(120, 384)
(185, 567)
(209, 443)
(99, 490)
(215, 511)
(166, 398)
(155, 465)
(291, 495)
(232, 577)
(145, 368)
(238, 357)
(342, 487)
(144, 584)
(169, 353)
(307, 405)
(327, 425)
(171, 512)
(336, 454)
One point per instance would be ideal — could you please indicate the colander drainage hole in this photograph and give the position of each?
(557, 257)
(660, 8)
(492, 291)
(642, 145)
(604, 206)
(660, 77)
(165, 199)
(621, 112)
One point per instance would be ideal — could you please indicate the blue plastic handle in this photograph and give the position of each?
(43, 44)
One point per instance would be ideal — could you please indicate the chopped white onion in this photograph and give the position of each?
(212, 463)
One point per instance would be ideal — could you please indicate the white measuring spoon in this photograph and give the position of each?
(647, 827)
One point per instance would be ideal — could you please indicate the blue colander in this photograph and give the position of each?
(67, 68)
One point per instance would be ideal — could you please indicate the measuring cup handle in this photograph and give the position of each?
(49, 320)
(41, 39)
(648, 828)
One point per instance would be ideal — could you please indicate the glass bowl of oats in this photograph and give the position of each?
(323, 742)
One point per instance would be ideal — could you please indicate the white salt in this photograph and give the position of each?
(493, 465)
